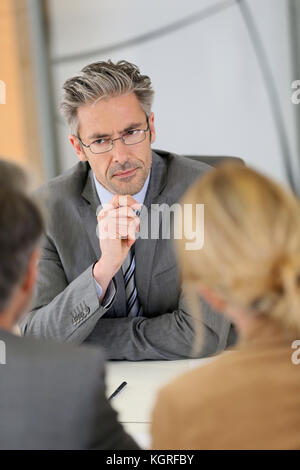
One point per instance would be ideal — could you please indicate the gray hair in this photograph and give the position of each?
(101, 80)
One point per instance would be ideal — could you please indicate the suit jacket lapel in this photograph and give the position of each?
(145, 248)
(88, 208)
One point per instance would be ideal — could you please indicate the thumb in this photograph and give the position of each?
(130, 242)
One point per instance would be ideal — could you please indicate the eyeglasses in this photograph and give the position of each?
(130, 137)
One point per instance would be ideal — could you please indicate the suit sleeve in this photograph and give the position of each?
(163, 337)
(62, 311)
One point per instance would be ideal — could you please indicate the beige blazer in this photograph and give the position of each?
(245, 399)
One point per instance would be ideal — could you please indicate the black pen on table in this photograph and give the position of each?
(123, 384)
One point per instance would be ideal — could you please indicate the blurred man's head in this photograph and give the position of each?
(110, 101)
(13, 176)
(21, 230)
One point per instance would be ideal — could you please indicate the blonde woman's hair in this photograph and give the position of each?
(251, 251)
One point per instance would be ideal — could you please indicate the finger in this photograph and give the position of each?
(120, 200)
(122, 231)
(122, 212)
(137, 207)
(113, 229)
(125, 221)
(117, 214)
(130, 242)
(126, 200)
(127, 229)
(132, 229)
(106, 209)
(115, 201)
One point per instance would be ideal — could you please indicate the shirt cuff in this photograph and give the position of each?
(98, 288)
(109, 294)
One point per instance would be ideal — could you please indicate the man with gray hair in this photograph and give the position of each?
(121, 291)
(52, 395)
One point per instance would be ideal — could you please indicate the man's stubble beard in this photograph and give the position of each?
(131, 188)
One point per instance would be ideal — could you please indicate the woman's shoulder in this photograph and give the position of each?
(201, 380)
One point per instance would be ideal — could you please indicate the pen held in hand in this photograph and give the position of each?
(118, 390)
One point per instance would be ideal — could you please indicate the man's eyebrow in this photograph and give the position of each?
(134, 125)
(97, 136)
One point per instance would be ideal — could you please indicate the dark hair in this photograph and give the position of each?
(13, 176)
(21, 227)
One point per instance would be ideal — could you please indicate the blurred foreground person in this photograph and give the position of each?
(52, 396)
(249, 268)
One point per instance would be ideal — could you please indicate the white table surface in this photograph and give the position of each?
(135, 402)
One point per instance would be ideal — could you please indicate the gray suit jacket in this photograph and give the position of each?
(66, 306)
(52, 396)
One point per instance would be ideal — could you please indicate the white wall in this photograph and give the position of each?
(210, 96)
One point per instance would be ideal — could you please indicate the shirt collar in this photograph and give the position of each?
(105, 196)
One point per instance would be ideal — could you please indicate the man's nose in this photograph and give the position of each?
(119, 151)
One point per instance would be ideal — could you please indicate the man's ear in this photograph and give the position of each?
(77, 147)
(216, 301)
(152, 127)
(31, 275)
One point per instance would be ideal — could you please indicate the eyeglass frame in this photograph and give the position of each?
(118, 138)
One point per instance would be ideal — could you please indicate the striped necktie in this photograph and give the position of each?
(133, 306)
